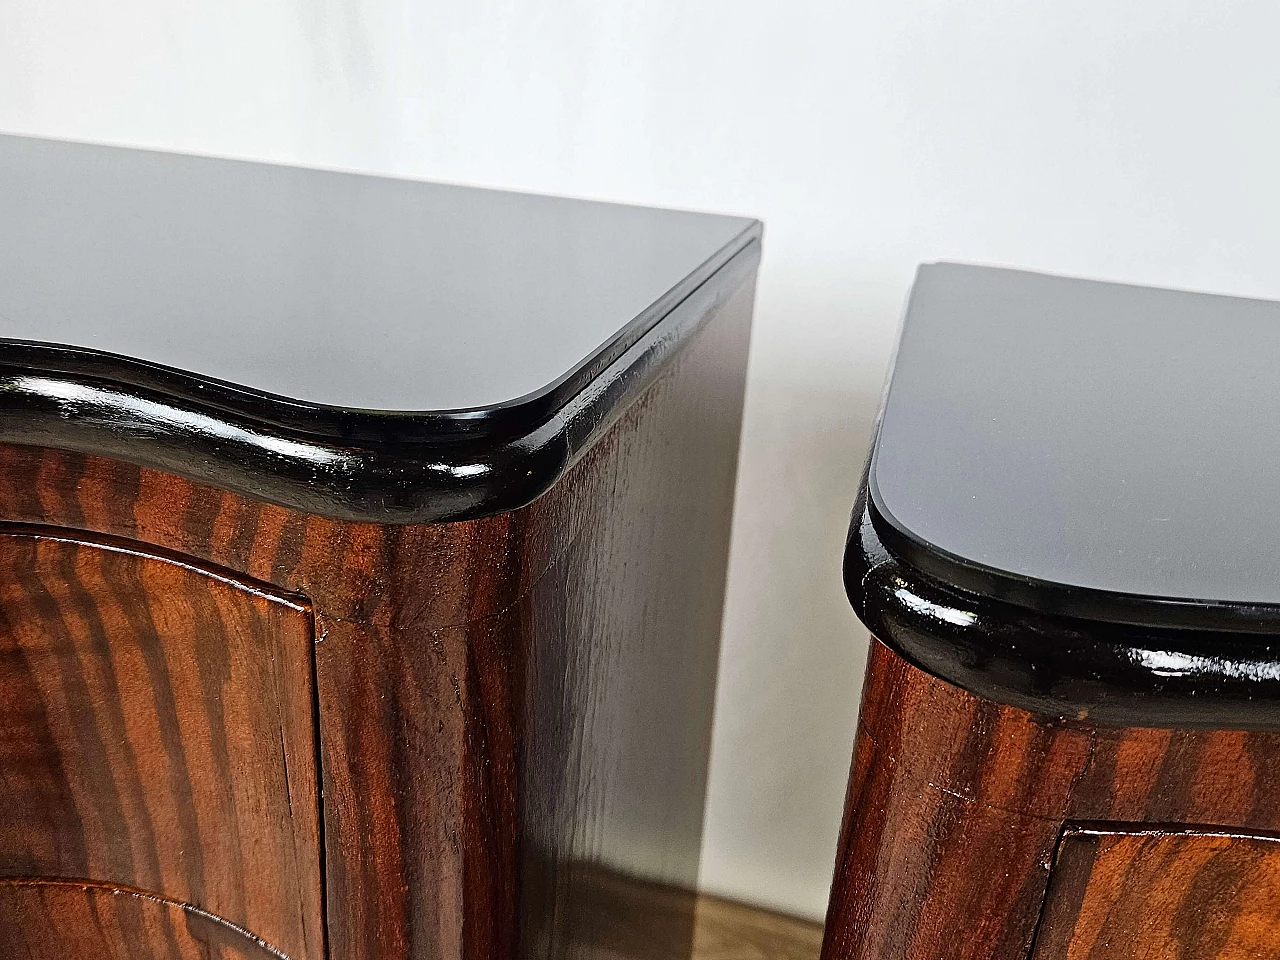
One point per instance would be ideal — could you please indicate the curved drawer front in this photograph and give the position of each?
(58, 920)
(1133, 892)
(156, 733)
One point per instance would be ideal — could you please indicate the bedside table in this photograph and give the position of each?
(362, 555)
(1066, 550)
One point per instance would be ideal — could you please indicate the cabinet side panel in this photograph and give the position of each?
(623, 637)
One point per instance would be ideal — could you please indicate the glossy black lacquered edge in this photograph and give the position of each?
(275, 412)
(1056, 665)
(1063, 598)
(405, 481)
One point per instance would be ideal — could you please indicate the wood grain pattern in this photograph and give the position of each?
(500, 700)
(1135, 894)
(63, 920)
(60, 920)
(956, 803)
(156, 732)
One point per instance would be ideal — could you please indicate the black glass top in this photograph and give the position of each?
(355, 292)
(1066, 443)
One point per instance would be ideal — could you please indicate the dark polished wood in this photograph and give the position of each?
(956, 804)
(157, 732)
(503, 702)
(66, 920)
(1136, 894)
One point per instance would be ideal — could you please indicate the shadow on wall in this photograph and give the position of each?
(793, 653)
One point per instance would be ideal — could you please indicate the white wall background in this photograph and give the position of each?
(1137, 141)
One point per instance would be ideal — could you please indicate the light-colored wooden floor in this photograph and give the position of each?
(626, 919)
(731, 931)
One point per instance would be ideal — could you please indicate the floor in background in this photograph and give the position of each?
(626, 919)
(731, 931)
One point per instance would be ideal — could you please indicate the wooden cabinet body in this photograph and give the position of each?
(974, 829)
(1069, 740)
(321, 680)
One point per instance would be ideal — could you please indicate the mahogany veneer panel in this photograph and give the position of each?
(58, 920)
(1134, 895)
(157, 732)
(956, 804)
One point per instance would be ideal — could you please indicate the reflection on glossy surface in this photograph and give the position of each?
(1175, 663)
(1055, 665)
